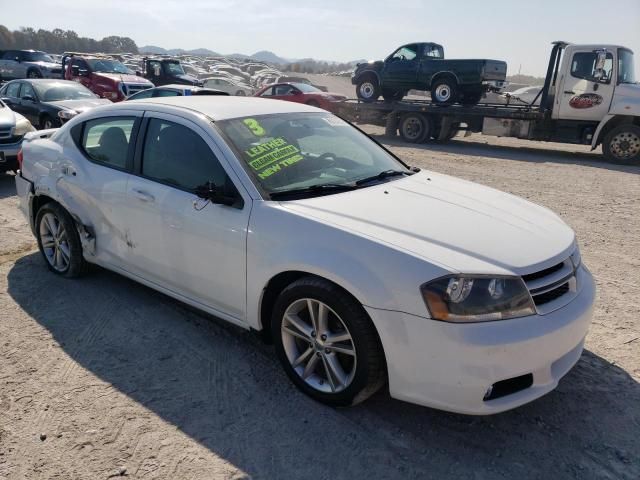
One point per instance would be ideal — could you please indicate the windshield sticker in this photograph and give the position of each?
(255, 127)
(272, 156)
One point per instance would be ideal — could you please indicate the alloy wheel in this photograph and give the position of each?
(367, 90)
(443, 93)
(318, 345)
(625, 145)
(55, 242)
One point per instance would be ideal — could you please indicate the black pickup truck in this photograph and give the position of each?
(421, 66)
(164, 71)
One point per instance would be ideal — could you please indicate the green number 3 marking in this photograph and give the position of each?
(255, 127)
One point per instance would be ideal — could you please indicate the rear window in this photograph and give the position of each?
(108, 141)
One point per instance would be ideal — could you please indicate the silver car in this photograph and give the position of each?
(28, 64)
(13, 128)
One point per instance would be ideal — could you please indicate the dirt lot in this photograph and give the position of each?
(102, 377)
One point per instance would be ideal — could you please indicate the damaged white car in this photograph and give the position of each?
(282, 218)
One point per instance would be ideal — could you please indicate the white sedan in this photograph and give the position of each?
(282, 218)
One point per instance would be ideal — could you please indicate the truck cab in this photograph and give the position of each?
(165, 71)
(104, 76)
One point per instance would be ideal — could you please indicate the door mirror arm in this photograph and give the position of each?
(217, 194)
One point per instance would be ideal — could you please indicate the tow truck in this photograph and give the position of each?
(590, 97)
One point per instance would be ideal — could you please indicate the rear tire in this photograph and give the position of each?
(622, 145)
(368, 89)
(339, 373)
(414, 127)
(59, 242)
(444, 91)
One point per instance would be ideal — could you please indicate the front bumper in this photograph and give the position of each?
(451, 366)
(10, 155)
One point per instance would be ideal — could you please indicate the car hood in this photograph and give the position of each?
(186, 80)
(80, 105)
(8, 117)
(123, 77)
(456, 224)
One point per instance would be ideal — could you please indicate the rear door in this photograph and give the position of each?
(583, 96)
(401, 68)
(96, 170)
(181, 242)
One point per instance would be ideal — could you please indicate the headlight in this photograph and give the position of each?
(67, 114)
(473, 298)
(23, 126)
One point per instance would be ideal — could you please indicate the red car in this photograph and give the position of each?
(301, 93)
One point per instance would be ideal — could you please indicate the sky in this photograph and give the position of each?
(344, 30)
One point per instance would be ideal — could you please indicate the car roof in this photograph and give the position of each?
(224, 107)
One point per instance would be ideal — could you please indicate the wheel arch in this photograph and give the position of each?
(37, 202)
(444, 74)
(609, 124)
(369, 73)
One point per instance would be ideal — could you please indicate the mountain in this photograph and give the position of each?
(178, 51)
(269, 57)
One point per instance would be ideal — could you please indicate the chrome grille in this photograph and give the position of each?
(129, 89)
(6, 132)
(552, 287)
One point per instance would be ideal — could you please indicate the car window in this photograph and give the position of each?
(108, 140)
(583, 65)
(406, 53)
(178, 156)
(13, 90)
(27, 91)
(283, 90)
(267, 93)
(223, 82)
(141, 95)
(167, 93)
(10, 55)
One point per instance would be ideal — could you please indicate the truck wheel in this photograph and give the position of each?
(622, 145)
(444, 91)
(368, 89)
(34, 73)
(392, 95)
(414, 127)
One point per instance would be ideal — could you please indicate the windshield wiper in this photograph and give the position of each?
(382, 175)
(313, 189)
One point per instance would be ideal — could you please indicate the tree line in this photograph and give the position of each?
(315, 66)
(59, 41)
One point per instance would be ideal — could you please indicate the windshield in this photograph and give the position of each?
(173, 68)
(54, 92)
(106, 66)
(37, 57)
(292, 151)
(303, 87)
(626, 68)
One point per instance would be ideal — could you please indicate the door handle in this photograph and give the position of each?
(143, 196)
(569, 92)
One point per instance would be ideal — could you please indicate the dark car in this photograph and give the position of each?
(175, 91)
(49, 103)
(167, 71)
(421, 66)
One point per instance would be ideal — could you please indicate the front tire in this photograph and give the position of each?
(444, 91)
(326, 343)
(59, 242)
(622, 145)
(368, 89)
(34, 73)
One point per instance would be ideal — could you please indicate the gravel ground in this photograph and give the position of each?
(102, 377)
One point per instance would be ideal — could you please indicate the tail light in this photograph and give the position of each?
(20, 157)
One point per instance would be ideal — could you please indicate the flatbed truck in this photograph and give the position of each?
(590, 97)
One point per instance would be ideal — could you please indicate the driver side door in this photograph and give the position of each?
(401, 68)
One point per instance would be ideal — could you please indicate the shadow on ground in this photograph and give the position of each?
(7, 185)
(534, 154)
(223, 388)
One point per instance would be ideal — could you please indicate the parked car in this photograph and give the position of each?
(228, 86)
(300, 93)
(281, 218)
(422, 66)
(27, 64)
(175, 91)
(13, 128)
(104, 76)
(49, 103)
(167, 71)
(290, 79)
(525, 95)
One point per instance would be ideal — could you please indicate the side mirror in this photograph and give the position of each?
(17, 59)
(83, 72)
(217, 194)
(75, 71)
(28, 98)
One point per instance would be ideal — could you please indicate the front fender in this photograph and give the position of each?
(368, 71)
